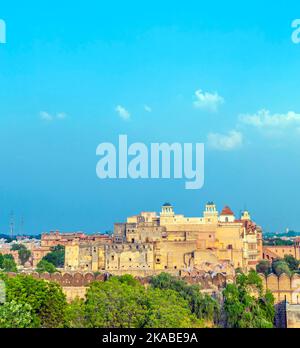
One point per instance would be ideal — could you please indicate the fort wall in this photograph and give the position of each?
(293, 316)
(283, 288)
(74, 284)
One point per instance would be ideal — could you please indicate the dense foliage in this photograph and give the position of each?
(203, 306)
(288, 265)
(23, 252)
(123, 302)
(292, 262)
(44, 300)
(45, 266)
(246, 305)
(280, 266)
(264, 267)
(56, 256)
(277, 242)
(7, 263)
(16, 315)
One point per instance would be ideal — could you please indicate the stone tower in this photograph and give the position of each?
(210, 214)
(167, 214)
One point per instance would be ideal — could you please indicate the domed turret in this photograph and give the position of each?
(227, 215)
(167, 214)
(245, 216)
(167, 210)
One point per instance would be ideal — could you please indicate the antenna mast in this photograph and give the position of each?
(22, 226)
(12, 225)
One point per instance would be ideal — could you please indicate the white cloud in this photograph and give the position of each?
(225, 142)
(147, 108)
(265, 120)
(46, 116)
(208, 101)
(61, 115)
(123, 113)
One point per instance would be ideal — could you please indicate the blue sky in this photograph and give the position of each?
(223, 73)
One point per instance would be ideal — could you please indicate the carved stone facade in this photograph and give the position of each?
(149, 243)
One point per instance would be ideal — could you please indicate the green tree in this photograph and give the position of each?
(115, 304)
(266, 303)
(167, 309)
(76, 314)
(46, 299)
(17, 247)
(204, 306)
(56, 256)
(122, 302)
(9, 264)
(128, 279)
(8, 257)
(264, 267)
(24, 255)
(16, 315)
(277, 242)
(45, 266)
(280, 266)
(1, 261)
(23, 252)
(246, 305)
(292, 262)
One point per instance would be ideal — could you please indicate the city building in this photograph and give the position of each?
(55, 238)
(150, 243)
(272, 252)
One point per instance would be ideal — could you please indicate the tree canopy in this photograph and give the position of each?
(23, 252)
(280, 266)
(264, 267)
(56, 256)
(16, 315)
(203, 306)
(45, 266)
(292, 262)
(246, 305)
(45, 300)
(122, 302)
(288, 265)
(7, 263)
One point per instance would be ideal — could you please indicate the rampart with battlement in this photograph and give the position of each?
(82, 279)
(283, 288)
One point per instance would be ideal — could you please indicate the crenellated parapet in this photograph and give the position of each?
(83, 279)
(283, 287)
(68, 279)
